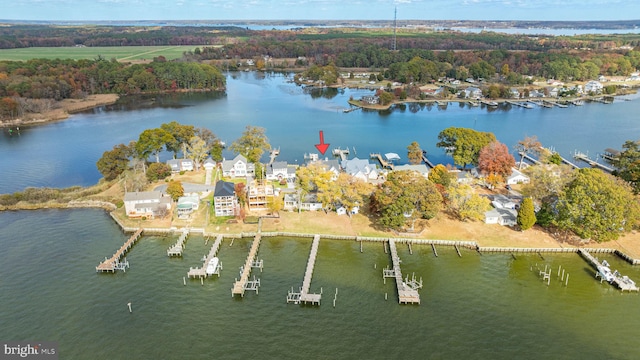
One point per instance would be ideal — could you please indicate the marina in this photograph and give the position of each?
(113, 263)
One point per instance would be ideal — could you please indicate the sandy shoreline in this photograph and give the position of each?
(67, 107)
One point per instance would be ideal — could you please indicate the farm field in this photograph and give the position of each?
(120, 53)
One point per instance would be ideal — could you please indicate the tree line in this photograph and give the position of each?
(22, 82)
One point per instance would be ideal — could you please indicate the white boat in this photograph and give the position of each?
(212, 266)
(604, 272)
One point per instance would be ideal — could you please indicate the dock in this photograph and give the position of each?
(177, 248)
(273, 154)
(541, 103)
(622, 282)
(426, 161)
(593, 163)
(489, 103)
(522, 104)
(304, 296)
(384, 163)
(240, 286)
(564, 160)
(112, 264)
(407, 289)
(202, 272)
(602, 100)
(342, 153)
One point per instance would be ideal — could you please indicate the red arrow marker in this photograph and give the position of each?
(322, 147)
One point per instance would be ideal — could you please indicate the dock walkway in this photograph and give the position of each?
(426, 161)
(406, 293)
(383, 162)
(202, 272)
(303, 296)
(112, 264)
(240, 286)
(622, 282)
(584, 157)
(178, 247)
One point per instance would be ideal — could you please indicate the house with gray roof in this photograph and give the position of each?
(178, 165)
(360, 168)
(225, 201)
(237, 168)
(149, 204)
(279, 170)
(330, 165)
(421, 169)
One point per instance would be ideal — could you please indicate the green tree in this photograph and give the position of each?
(597, 206)
(252, 144)
(175, 190)
(351, 191)
(464, 144)
(114, 162)
(157, 171)
(546, 181)
(554, 158)
(151, 142)
(181, 134)
(628, 164)
(386, 98)
(526, 214)
(197, 150)
(414, 153)
(403, 197)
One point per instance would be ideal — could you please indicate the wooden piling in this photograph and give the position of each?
(457, 250)
(434, 250)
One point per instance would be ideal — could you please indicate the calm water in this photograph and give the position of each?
(473, 307)
(65, 153)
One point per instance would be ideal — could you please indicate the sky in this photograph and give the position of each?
(119, 10)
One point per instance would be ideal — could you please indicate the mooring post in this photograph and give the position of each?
(129, 305)
(184, 281)
(567, 281)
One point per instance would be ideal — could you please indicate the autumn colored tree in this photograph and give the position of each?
(151, 142)
(181, 135)
(414, 153)
(526, 214)
(440, 175)
(115, 162)
(463, 201)
(241, 192)
(464, 144)
(175, 190)
(157, 171)
(252, 144)
(495, 159)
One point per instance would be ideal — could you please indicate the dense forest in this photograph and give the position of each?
(28, 86)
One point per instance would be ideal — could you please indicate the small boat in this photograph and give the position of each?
(604, 271)
(578, 102)
(212, 266)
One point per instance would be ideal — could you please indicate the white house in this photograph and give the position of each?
(472, 92)
(503, 213)
(177, 165)
(146, 204)
(238, 167)
(593, 87)
(329, 165)
(421, 169)
(310, 202)
(360, 168)
(279, 170)
(517, 177)
(209, 164)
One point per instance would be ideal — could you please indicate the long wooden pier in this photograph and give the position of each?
(342, 153)
(303, 296)
(426, 161)
(383, 162)
(583, 157)
(522, 104)
(202, 272)
(177, 248)
(240, 286)
(622, 282)
(407, 294)
(112, 264)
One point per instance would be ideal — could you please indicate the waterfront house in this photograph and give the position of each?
(514, 93)
(421, 169)
(536, 94)
(593, 86)
(259, 194)
(360, 168)
(517, 177)
(551, 91)
(329, 165)
(149, 204)
(237, 168)
(290, 202)
(225, 202)
(279, 170)
(178, 165)
(209, 164)
(472, 92)
(504, 211)
(370, 99)
(310, 202)
(187, 205)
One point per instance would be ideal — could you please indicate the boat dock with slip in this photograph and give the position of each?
(383, 162)
(240, 286)
(206, 270)
(407, 289)
(604, 273)
(113, 263)
(584, 157)
(178, 247)
(304, 296)
(342, 153)
(522, 104)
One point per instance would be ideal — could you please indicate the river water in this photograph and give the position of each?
(473, 307)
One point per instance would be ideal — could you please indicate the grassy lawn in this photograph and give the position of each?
(121, 53)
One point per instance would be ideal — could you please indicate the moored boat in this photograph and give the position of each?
(212, 266)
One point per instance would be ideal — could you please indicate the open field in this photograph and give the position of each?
(121, 53)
